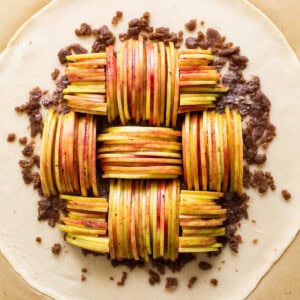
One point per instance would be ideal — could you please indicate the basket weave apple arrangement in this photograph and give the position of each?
(158, 102)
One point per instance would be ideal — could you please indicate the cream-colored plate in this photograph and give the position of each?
(28, 62)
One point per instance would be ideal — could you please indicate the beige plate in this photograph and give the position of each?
(28, 62)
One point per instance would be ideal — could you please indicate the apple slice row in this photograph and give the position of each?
(134, 152)
(212, 151)
(201, 220)
(47, 148)
(86, 73)
(68, 154)
(143, 219)
(86, 222)
(142, 83)
(198, 80)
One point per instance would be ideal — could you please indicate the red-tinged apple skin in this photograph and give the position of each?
(158, 216)
(226, 157)
(194, 144)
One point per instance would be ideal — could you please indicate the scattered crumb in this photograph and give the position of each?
(28, 150)
(191, 25)
(286, 195)
(117, 17)
(253, 221)
(255, 241)
(214, 282)
(83, 277)
(236, 270)
(56, 248)
(38, 239)
(84, 270)
(11, 137)
(123, 279)
(219, 269)
(202, 23)
(84, 30)
(23, 140)
(192, 282)
(55, 74)
(203, 265)
(171, 283)
(111, 278)
(223, 261)
(154, 277)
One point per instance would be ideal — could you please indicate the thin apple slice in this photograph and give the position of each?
(214, 161)
(162, 56)
(126, 218)
(155, 66)
(148, 82)
(132, 220)
(95, 244)
(161, 213)
(169, 88)
(176, 90)
(81, 146)
(194, 150)
(188, 151)
(120, 83)
(111, 221)
(128, 70)
(141, 219)
(174, 218)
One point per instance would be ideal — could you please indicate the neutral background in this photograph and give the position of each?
(283, 281)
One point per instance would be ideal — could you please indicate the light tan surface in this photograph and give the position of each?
(283, 280)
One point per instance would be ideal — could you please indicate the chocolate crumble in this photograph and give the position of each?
(154, 277)
(171, 283)
(191, 25)
(11, 137)
(214, 282)
(56, 248)
(123, 279)
(192, 281)
(203, 265)
(55, 74)
(286, 195)
(84, 30)
(38, 239)
(23, 140)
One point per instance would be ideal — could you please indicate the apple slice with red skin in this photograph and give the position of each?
(111, 221)
(155, 67)
(120, 84)
(226, 155)
(168, 106)
(126, 193)
(148, 82)
(136, 217)
(140, 229)
(166, 220)
(126, 62)
(108, 82)
(176, 90)
(188, 151)
(202, 155)
(153, 216)
(75, 155)
(193, 138)
(162, 91)
(132, 220)
(81, 146)
(220, 141)
(129, 76)
(214, 163)
(162, 187)
(93, 160)
(136, 81)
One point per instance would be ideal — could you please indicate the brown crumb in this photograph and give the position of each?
(84, 270)
(253, 221)
(191, 25)
(111, 278)
(84, 30)
(83, 277)
(23, 140)
(171, 283)
(255, 241)
(11, 137)
(55, 74)
(28, 150)
(154, 277)
(214, 282)
(56, 248)
(192, 282)
(202, 23)
(38, 239)
(203, 265)
(117, 17)
(123, 279)
(286, 195)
